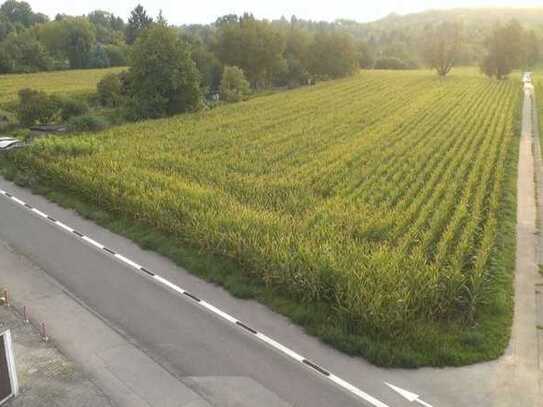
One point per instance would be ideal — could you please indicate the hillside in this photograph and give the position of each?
(482, 17)
(402, 35)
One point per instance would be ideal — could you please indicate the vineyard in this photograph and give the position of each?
(69, 82)
(379, 207)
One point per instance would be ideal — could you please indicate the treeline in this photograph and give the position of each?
(279, 53)
(269, 53)
(29, 42)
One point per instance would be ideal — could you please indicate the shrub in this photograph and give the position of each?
(234, 87)
(98, 58)
(116, 55)
(7, 120)
(36, 107)
(70, 107)
(110, 90)
(393, 63)
(87, 122)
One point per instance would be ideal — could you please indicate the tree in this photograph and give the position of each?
(24, 53)
(234, 87)
(254, 46)
(333, 55)
(161, 20)
(533, 49)
(163, 78)
(504, 50)
(138, 22)
(98, 58)
(109, 29)
(366, 58)
(6, 27)
(392, 63)
(18, 12)
(71, 38)
(117, 55)
(208, 65)
(442, 46)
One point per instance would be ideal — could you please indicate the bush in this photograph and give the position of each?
(393, 63)
(116, 55)
(98, 58)
(70, 107)
(36, 107)
(110, 90)
(7, 120)
(87, 123)
(234, 87)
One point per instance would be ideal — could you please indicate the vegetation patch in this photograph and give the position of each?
(74, 83)
(377, 211)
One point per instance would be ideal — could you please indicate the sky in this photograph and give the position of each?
(180, 12)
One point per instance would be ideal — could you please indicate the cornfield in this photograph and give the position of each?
(379, 195)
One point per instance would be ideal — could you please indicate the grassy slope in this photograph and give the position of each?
(438, 344)
(70, 82)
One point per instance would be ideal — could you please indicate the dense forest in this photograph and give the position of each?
(278, 53)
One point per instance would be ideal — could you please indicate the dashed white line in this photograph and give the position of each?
(93, 242)
(224, 315)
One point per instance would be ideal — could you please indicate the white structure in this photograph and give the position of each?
(7, 143)
(9, 386)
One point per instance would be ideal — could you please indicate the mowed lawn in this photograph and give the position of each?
(380, 209)
(67, 82)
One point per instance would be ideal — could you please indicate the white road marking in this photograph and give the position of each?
(224, 315)
(217, 311)
(93, 242)
(280, 347)
(65, 227)
(169, 284)
(127, 261)
(18, 201)
(409, 396)
(43, 215)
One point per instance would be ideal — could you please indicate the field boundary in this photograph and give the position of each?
(292, 355)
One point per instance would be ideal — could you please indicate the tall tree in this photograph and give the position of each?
(18, 12)
(23, 53)
(163, 78)
(505, 50)
(254, 46)
(442, 46)
(138, 22)
(70, 38)
(109, 28)
(533, 48)
(333, 55)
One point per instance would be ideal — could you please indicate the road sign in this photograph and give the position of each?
(8, 377)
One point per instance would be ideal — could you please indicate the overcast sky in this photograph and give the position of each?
(205, 11)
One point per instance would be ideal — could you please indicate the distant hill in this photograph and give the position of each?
(400, 35)
(532, 18)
